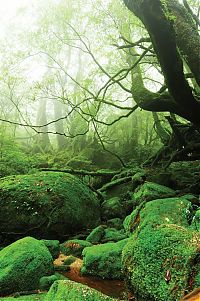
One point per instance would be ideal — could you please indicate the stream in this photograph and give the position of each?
(113, 288)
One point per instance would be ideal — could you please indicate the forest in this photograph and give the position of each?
(100, 150)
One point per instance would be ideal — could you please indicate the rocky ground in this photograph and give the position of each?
(141, 228)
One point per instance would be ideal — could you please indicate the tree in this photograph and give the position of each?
(175, 38)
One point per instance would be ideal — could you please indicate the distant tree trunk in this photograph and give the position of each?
(59, 126)
(42, 143)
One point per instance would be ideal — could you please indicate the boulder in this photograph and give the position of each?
(116, 223)
(104, 260)
(96, 235)
(22, 264)
(67, 290)
(53, 247)
(196, 221)
(33, 297)
(112, 208)
(151, 191)
(160, 260)
(74, 247)
(113, 235)
(46, 205)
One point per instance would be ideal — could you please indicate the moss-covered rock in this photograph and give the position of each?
(46, 205)
(46, 282)
(74, 247)
(22, 264)
(160, 260)
(53, 247)
(34, 297)
(96, 235)
(112, 208)
(116, 223)
(71, 291)
(196, 221)
(151, 191)
(71, 259)
(114, 235)
(104, 260)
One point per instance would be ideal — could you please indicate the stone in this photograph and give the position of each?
(74, 247)
(22, 264)
(47, 205)
(104, 260)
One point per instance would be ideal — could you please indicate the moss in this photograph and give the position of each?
(104, 260)
(74, 247)
(166, 211)
(22, 264)
(35, 297)
(155, 253)
(111, 234)
(70, 260)
(47, 204)
(151, 191)
(115, 223)
(96, 235)
(53, 247)
(160, 259)
(112, 208)
(196, 221)
(46, 282)
(71, 291)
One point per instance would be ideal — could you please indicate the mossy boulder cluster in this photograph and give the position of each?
(46, 205)
(161, 259)
(22, 264)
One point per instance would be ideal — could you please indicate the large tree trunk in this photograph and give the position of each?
(159, 22)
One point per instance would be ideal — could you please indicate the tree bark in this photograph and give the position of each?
(159, 21)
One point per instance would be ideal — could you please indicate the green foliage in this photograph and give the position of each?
(13, 160)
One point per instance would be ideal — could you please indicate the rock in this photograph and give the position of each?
(71, 259)
(115, 223)
(196, 221)
(74, 247)
(118, 187)
(46, 205)
(170, 210)
(160, 260)
(96, 235)
(111, 234)
(104, 260)
(71, 291)
(22, 264)
(112, 208)
(33, 297)
(151, 191)
(46, 282)
(53, 247)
